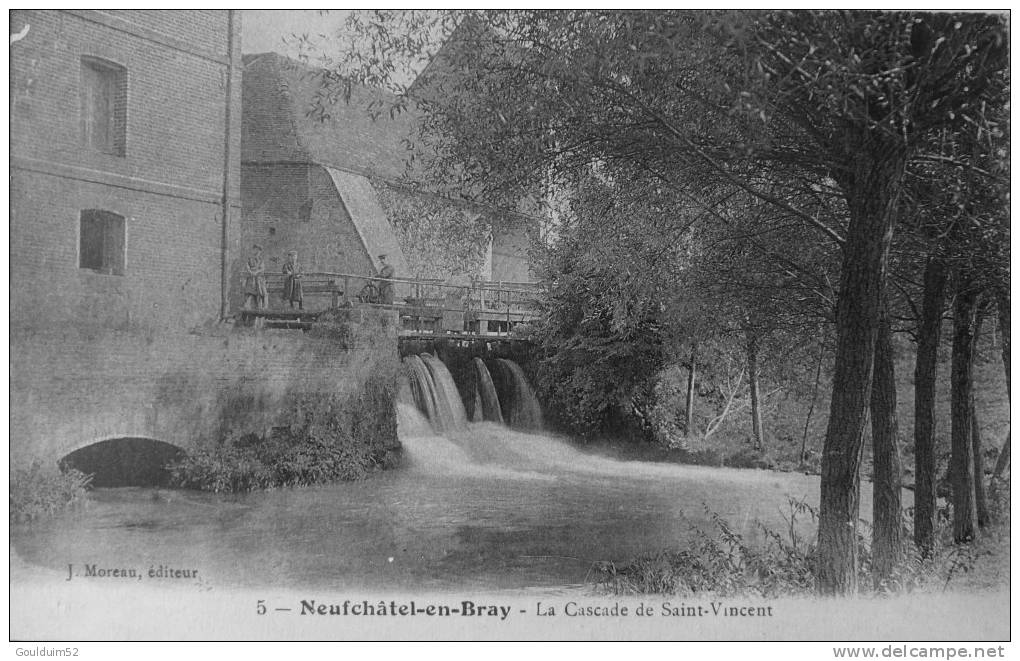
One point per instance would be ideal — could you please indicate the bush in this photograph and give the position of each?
(41, 490)
(283, 460)
(328, 440)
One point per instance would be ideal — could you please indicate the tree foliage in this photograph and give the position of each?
(759, 173)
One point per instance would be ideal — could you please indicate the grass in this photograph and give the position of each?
(41, 490)
(723, 562)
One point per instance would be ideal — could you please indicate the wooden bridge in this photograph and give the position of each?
(426, 307)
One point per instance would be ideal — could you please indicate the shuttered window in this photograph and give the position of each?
(104, 106)
(102, 242)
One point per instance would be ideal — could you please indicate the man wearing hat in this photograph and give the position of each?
(385, 286)
(292, 289)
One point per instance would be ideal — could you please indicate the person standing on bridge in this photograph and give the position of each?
(385, 285)
(255, 291)
(293, 291)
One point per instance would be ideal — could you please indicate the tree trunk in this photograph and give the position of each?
(811, 408)
(980, 499)
(962, 393)
(691, 377)
(752, 373)
(871, 195)
(1002, 462)
(1002, 303)
(928, 335)
(887, 531)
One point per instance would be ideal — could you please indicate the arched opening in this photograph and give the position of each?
(125, 462)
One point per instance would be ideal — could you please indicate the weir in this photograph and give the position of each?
(435, 394)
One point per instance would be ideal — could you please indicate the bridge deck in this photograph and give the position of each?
(481, 309)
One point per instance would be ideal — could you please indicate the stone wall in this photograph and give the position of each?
(71, 388)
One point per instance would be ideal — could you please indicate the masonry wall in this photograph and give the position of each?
(296, 207)
(101, 356)
(71, 388)
(168, 185)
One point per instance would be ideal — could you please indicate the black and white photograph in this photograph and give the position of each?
(511, 324)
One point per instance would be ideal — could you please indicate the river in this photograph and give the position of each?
(486, 508)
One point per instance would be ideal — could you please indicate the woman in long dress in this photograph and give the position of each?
(255, 290)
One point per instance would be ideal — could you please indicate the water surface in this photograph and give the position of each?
(487, 508)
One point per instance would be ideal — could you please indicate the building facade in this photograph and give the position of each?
(125, 188)
(125, 153)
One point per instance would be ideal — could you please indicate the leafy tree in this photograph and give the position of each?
(786, 108)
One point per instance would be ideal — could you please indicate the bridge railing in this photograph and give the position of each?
(322, 289)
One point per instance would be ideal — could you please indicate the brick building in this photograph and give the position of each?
(125, 194)
(329, 187)
(124, 226)
(121, 159)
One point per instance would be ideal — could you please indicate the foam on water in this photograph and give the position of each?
(488, 450)
(446, 444)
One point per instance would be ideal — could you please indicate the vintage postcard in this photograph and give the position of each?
(510, 325)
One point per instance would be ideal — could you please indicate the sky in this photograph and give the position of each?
(265, 30)
(275, 30)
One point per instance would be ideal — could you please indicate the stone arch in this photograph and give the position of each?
(129, 461)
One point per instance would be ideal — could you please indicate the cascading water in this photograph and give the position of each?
(450, 407)
(486, 395)
(524, 410)
(476, 408)
(423, 389)
(512, 402)
(411, 423)
(435, 393)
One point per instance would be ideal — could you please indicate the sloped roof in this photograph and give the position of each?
(277, 126)
(369, 219)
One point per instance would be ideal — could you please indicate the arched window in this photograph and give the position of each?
(102, 242)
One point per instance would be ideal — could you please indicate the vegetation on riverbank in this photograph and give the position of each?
(725, 562)
(42, 489)
(329, 439)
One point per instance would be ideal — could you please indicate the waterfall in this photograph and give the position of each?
(485, 395)
(476, 408)
(411, 423)
(524, 410)
(508, 400)
(449, 407)
(423, 388)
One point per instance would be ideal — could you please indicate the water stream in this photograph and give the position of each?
(486, 395)
(474, 506)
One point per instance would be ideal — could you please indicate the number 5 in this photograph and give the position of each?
(261, 607)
